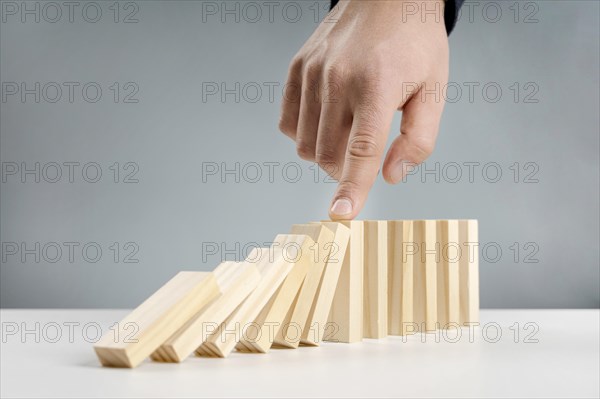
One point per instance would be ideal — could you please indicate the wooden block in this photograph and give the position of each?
(290, 333)
(375, 279)
(236, 280)
(297, 248)
(425, 300)
(469, 272)
(448, 274)
(316, 326)
(156, 319)
(274, 268)
(401, 252)
(346, 315)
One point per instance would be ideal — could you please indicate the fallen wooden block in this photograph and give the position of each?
(274, 268)
(290, 334)
(316, 326)
(271, 318)
(346, 315)
(448, 274)
(469, 272)
(236, 280)
(375, 305)
(401, 252)
(156, 319)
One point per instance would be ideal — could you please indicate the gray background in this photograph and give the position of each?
(171, 131)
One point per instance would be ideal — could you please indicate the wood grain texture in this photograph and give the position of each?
(274, 268)
(346, 315)
(157, 318)
(401, 252)
(430, 256)
(316, 324)
(236, 280)
(425, 270)
(375, 302)
(469, 271)
(290, 334)
(419, 298)
(448, 274)
(297, 249)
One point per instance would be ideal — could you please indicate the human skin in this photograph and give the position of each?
(367, 61)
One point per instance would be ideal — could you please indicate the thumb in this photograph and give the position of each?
(362, 161)
(418, 132)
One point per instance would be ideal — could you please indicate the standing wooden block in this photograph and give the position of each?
(236, 280)
(274, 268)
(448, 274)
(346, 315)
(375, 279)
(290, 333)
(316, 324)
(401, 252)
(298, 248)
(156, 319)
(425, 310)
(469, 272)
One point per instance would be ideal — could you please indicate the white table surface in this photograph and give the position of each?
(563, 363)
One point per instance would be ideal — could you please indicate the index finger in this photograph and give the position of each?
(368, 136)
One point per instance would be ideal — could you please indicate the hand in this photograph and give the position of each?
(351, 76)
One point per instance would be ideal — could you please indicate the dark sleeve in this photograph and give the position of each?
(450, 12)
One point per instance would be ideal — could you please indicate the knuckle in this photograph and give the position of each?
(334, 73)
(370, 73)
(286, 127)
(363, 146)
(312, 72)
(326, 156)
(423, 149)
(296, 64)
(348, 188)
(305, 150)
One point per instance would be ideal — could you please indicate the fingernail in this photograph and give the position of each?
(341, 207)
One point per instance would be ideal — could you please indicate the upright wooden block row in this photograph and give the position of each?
(156, 319)
(274, 268)
(236, 280)
(346, 315)
(316, 325)
(326, 281)
(401, 252)
(298, 248)
(425, 269)
(448, 274)
(290, 334)
(469, 272)
(375, 305)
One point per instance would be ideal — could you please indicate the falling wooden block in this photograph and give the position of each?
(425, 270)
(236, 280)
(448, 274)
(156, 319)
(469, 272)
(316, 327)
(271, 318)
(401, 252)
(375, 303)
(274, 268)
(346, 315)
(290, 333)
